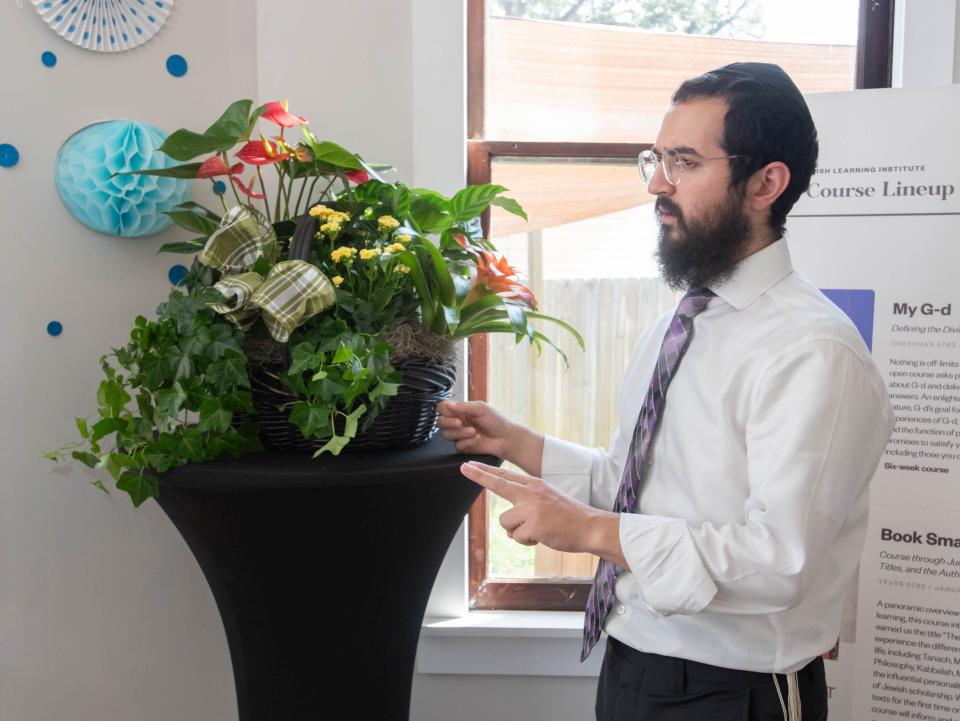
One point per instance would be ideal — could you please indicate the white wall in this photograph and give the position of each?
(104, 614)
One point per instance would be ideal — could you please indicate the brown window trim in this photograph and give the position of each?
(874, 62)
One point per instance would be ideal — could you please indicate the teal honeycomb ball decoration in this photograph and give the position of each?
(130, 206)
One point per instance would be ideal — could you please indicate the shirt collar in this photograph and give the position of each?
(755, 275)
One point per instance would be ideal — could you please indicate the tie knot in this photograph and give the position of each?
(694, 301)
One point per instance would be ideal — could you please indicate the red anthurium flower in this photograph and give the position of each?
(247, 189)
(498, 276)
(214, 166)
(276, 112)
(261, 152)
(358, 176)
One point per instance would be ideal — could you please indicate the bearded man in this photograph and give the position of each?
(730, 509)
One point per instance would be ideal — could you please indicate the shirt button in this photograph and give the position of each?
(620, 609)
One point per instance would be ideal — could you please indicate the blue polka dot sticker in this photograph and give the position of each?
(48, 58)
(177, 66)
(54, 328)
(219, 187)
(9, 155)
(177, 274)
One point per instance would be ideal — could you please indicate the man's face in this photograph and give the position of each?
(704, 229)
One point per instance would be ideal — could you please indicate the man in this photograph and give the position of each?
(751, 421)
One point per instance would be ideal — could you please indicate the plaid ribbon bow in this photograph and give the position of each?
(292, 292)
(675, 343)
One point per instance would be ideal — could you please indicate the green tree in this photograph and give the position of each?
(741, 18)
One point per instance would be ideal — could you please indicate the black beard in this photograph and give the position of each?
(703, 253)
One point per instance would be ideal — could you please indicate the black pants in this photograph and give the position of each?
(637, 686)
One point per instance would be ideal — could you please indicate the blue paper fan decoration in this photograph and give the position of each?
(109, 26)
(131, 206)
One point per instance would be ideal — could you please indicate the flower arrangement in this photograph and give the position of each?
(324, 271)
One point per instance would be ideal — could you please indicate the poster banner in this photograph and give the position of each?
(879, 231)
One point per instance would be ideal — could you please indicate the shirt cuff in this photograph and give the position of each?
(670, 577)
(567, 466)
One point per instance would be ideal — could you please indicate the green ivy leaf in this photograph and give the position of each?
(112, 398)
(178, 363)
(222, 339)
(169, 402)
(228, 372)
(334, 446)
(350, 426)
(384, 389)
(342, 355)
(311, 418)
(213, 416)
(239, 401)
(87, 459)
(140, 487)
(304, 358)
(152, 371)
(191, 445)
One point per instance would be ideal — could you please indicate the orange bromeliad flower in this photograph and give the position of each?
(496, 275)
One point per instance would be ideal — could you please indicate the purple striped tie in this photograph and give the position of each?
(674, 345)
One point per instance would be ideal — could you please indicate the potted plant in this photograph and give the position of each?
(308, 316)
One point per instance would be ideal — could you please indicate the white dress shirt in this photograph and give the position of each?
(753, 512)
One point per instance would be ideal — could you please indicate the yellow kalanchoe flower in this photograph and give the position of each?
(342, 252)
(403, 238)
(336, 280)
(402, 269)
(369, 253)
(388, 222)
(320, 211)
(330, 227)
(395, 248)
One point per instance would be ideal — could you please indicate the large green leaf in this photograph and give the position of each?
(194, 217)
(427, 301)
(186, 145)
(473, 200)
(252, 122)
(222, 135)
(441, 273)
(187, 170)
(429, 215)
(233, 123)
(562, 324)
(184, 246)
(511, 206)
(328, 152)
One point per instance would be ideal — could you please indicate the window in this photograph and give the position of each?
(563, 95)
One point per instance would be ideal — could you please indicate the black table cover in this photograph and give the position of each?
(321, 569)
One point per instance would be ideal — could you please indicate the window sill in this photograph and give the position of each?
(507, 643)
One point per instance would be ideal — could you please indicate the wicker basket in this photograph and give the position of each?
(409, 420)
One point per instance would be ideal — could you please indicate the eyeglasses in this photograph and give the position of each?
(674, 164)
